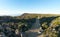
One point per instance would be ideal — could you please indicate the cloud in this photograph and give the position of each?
(13, 12)
(50, 11)
(19, 12)
(8, 12)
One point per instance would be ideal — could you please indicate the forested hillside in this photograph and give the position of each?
(14, 26)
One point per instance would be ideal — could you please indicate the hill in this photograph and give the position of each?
(27, 15)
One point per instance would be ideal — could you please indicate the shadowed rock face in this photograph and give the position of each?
(36, 25)
(34, 29)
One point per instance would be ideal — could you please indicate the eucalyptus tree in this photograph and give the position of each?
(22, 27)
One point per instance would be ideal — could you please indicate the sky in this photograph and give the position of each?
(18, 7)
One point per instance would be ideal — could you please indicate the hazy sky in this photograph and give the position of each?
(18, 7)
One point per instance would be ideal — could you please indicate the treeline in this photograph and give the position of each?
(12, 27)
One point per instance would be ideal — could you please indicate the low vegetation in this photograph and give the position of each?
(9, 25)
